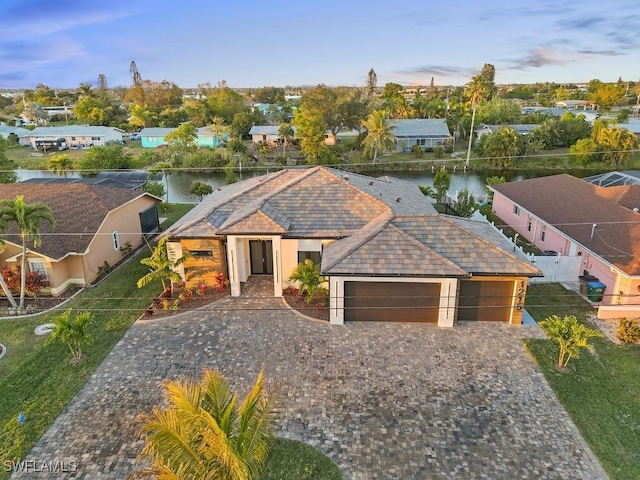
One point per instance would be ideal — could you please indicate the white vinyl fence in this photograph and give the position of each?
(554, 268)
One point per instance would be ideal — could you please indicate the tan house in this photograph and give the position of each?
(386, 253)
(93, 224)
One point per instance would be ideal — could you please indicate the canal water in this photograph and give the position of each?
(474, 181)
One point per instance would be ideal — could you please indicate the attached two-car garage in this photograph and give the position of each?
(388, 301)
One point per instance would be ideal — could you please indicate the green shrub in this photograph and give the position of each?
(308, 275)
(628, 331)
(438, 152)
(417, 151)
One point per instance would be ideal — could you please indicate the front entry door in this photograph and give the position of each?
(261, 254)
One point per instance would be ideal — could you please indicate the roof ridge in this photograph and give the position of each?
(346, 182)
(381, 219)
(249, 188)
(428, 249)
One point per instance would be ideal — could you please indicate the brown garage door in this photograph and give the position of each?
(485, 300)
(391, 301)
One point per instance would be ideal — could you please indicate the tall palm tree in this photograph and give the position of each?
(286, 132)
(379, 134)
(205, 434)
(85, 90)
(60, 164)
(27, 217)
(3, 283)
(474, 92)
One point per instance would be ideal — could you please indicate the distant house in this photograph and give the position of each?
(154, 137)
(92, 224)
(427, 133)
(521, 129)
(576, 104)
(75, 136)
(633, 125)
(589, 115)
(265, 133)
(577, 218)
(7, 130)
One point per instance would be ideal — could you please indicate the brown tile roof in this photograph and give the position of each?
(424, 245)
(78, 209)
(573, 206)
(306, 203)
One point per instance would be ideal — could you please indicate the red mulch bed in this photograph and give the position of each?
(318, 307)
(40, 304)
(165, 306)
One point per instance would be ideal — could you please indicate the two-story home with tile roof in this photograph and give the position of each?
(574, 217)
(386, 253)
(92, 224)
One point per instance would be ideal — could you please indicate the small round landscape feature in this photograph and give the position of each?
(45, 328)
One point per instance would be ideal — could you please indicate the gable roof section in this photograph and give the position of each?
(573, 206)
(420, 245)
(420, 127)
(78, 209)
(381, 249)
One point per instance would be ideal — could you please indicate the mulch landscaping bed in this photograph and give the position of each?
(39, 304)
(166, 305)
(316, 309)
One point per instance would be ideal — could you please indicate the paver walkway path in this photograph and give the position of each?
(385, 401)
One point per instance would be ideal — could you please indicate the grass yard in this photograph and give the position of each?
(38, 380)
(292, 460)
(600, 391)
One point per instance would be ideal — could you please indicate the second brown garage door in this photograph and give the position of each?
(485, 300)
(391, 301)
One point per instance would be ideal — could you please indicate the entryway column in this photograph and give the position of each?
(233, 263)
(276, 246)
(448, 294)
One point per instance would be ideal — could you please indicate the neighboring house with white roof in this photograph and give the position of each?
(75, 136)
(154, 137)
(427, 133)
(6, 130)
(386, 253)
(521, 129)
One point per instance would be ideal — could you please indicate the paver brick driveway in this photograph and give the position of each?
(385, 401)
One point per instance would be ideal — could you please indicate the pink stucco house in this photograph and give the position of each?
(574, 217)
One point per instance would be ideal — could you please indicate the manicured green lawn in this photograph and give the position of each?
(37, 379)
(292, 460)
(600, 391)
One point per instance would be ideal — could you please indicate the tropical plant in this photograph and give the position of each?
(206, 433)
(379, 135)
(162, 267)
(308, 275)
(200, 189)
(154, 188)
(286, 133)
(441, 183)
(466, 204)
(72, 331)
(3, 284)
(570, 335)
(27, 218)
(60, 164)
(628, 330)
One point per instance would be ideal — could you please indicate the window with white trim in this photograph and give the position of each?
(116, 240)
(315, 257)
(40, 267)
(529, 223)
(516, 210)
(543, 233)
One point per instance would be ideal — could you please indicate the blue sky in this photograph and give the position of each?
(253, 43)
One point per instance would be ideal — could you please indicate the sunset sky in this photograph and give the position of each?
(278, 42)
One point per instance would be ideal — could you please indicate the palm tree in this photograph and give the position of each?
(3, 283)
(379, 134)
(570, 335)
(286, 132)
(27, 217)
(474, 91)
(60, 164)
(85, 90)
(72, 331)
(205, 434)
(161, 266)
